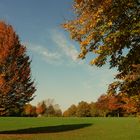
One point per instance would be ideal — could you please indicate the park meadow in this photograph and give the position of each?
(70, 70)
(69, 128)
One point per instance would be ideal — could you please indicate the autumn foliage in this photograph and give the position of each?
(16, 86)
(105, 106)
(48, 108)
(110, 29)
(29, 111)
(41, 108)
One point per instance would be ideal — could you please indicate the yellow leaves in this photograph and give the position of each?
(98, 51)
(93, 61)
(100, 10)
(102, 33)
(107, 39)
(84, 43)
(130, 4)
(81, 32)
(98, 29)
(110, 23)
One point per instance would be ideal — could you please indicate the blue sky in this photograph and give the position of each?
(57, 72)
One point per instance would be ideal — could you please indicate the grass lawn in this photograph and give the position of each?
(12, 128)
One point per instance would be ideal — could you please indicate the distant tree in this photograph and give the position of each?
(66, 113)
(41, 108)
(110, 29)
(94, 111)
(58, 111)
(50, 112)
(102, 105)
(33, 113)
(16, 86)
(29, 110)
(83, 109)
(48, 108)
(49, 102)
(71, 111)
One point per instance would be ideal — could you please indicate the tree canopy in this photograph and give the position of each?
(110, 29)
(16, 85)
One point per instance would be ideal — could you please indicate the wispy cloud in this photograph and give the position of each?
(68, 48)
(63, 52)
(48, 56)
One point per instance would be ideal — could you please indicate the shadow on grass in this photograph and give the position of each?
(47, 129)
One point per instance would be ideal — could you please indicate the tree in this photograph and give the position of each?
(48, 108)
(83, 109)
(41, 108)
(58, 112)
(71, 111)
(94, 111)
(115, 105)
(16, 86)
(29, 110)
(102, 105)
(50, 111)
(131, 105)
(15, 112)
(111, 30)
(52, 108)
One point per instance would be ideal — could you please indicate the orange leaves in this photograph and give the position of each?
(7, 40)
(114, 103)
(88, 27)
(2, 81)
(41, 108)
(29, 110)
(79, 1)
(93, 61)
(15, 80)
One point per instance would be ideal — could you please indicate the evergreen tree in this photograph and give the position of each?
(16, 85)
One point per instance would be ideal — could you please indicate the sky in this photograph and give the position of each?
(57, 72)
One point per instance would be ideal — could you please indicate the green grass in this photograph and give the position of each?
(69, 128)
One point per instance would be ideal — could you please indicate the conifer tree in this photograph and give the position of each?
(16, 86)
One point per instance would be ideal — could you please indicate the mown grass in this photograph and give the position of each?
(12, 128)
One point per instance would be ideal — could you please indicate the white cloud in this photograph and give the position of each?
(68, 48)
(48, 56)
(64, 52)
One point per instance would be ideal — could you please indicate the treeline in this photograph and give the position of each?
(44, 108)
(105, 106)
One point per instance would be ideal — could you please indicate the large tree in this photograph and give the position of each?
(16, 85)
(110, 29)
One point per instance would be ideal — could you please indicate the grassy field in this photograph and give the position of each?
(69, 128)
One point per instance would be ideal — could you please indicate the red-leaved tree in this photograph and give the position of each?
(16, 86)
